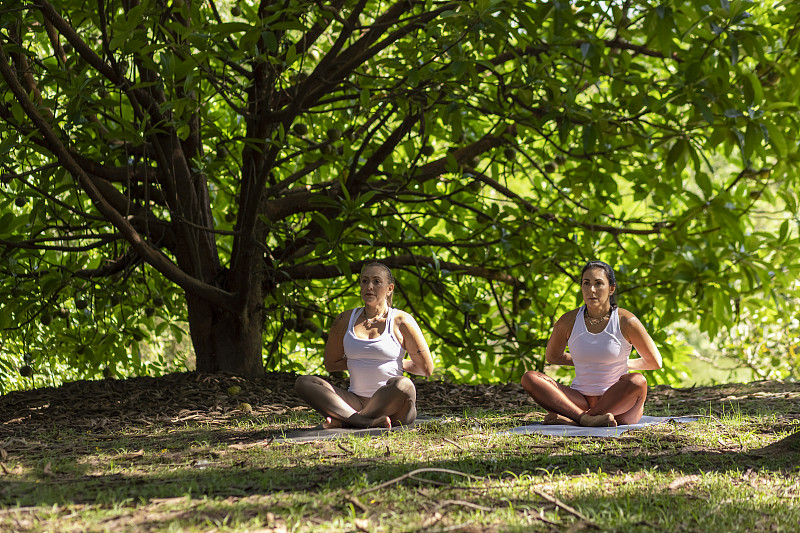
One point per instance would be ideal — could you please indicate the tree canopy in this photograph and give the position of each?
(232, 165)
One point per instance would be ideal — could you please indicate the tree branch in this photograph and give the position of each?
(36, 244)
(333, 271)
(101, 66)
(153, 256)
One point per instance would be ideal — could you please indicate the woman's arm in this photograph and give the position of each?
(633, 330)
(334, 357)
(421, 362)
(556, 353)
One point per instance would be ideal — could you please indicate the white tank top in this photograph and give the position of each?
(600, 358)
(372, 362)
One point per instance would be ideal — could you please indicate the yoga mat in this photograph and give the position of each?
(581, 431)
(318, 433)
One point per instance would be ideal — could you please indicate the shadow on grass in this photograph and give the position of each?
(124, 445)
(186, 463)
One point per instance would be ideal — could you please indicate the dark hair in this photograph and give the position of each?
(389, 276)
(609, 272)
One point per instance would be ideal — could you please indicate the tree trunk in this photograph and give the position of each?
(224, 341)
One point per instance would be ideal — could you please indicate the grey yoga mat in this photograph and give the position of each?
(318, 433)
(580, 431)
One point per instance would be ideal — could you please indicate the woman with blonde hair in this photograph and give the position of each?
(370, 342)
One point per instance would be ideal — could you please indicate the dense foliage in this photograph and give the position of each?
(766, 341)
(232, 165)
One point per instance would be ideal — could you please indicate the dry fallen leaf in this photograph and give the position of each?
(431, 520)
(133, 455)
(683, 480)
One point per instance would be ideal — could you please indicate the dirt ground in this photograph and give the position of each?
(206, 398)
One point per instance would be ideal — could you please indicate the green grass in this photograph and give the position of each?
(707, 476)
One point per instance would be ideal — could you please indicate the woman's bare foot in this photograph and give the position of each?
(557, 419)
(381, 422)
(357, 422)
(602, 420)
(331, 423)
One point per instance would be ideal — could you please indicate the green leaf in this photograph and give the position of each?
(451, 164)
(589, 138)
(704, 183)
(776, 138)
(753, 86)
(734, 46)
(227, 29)
(270, 40)
(675, 153)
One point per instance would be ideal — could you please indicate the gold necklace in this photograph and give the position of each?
(594, 321)
(370, 322)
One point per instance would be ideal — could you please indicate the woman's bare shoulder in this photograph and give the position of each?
(569, 316)
(346, 314)
(401, 317)
(625, 315)
(567, 320)
(343, 317)
(629, 322)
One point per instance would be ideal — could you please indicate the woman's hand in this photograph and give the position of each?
(412, 368)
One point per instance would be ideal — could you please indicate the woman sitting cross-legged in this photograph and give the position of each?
(370, 342)
(600, 336)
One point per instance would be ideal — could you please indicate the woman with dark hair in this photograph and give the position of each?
(370, 342)
(599, 336)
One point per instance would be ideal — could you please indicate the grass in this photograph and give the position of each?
(708, 476)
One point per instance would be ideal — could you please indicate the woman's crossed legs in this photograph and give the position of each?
(394, 403)
(622, 403)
